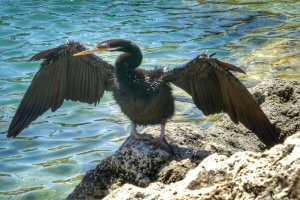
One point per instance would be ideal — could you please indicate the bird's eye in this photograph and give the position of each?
(105, 44)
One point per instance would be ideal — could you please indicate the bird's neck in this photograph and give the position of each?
(127, 75)
(130, 59)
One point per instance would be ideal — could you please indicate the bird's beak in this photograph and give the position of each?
(90, 51)
(97, 49)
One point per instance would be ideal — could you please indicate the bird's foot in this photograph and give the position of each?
(133, 138)
(163, 144)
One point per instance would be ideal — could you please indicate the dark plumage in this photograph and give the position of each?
(144, 96)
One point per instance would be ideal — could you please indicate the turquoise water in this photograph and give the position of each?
(50, 157)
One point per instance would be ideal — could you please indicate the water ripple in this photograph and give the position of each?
(50, 156)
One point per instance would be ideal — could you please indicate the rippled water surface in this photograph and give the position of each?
(50, 157)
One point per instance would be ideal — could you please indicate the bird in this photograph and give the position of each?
(73, 72)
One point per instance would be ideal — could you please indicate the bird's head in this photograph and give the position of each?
(111, 45)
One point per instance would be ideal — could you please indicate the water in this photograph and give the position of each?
(51, 156)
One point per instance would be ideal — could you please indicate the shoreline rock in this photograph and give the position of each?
(225, 161)
(273, 174)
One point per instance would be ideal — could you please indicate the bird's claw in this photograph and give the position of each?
(163, 144)
(133, 138)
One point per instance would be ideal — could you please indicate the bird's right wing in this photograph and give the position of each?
(62, 76)
(215, 89)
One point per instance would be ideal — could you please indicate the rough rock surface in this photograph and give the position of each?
(273, 174)
(225, 161)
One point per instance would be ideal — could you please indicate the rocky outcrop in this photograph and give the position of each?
(225, 161)
(273, 174)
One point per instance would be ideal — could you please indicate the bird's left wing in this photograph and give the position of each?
(62, 76)
(215, 89)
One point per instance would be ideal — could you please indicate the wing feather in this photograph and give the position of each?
(215, 89)
(62, 76)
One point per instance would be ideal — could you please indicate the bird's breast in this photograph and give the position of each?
(146, 106)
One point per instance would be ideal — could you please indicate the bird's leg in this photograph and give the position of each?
(133, 137)
(161, 142)
(162, 131)
(133, 132)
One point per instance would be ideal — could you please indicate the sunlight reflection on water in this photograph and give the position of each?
(50, 156)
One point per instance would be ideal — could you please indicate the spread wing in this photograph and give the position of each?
(215, 89)
(62, 76)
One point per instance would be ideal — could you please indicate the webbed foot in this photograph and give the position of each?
(163, 144)
(133, 138)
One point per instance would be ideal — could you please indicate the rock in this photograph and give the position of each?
(272, 174)
(225, 161)
(137, 165)
(282, 104)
